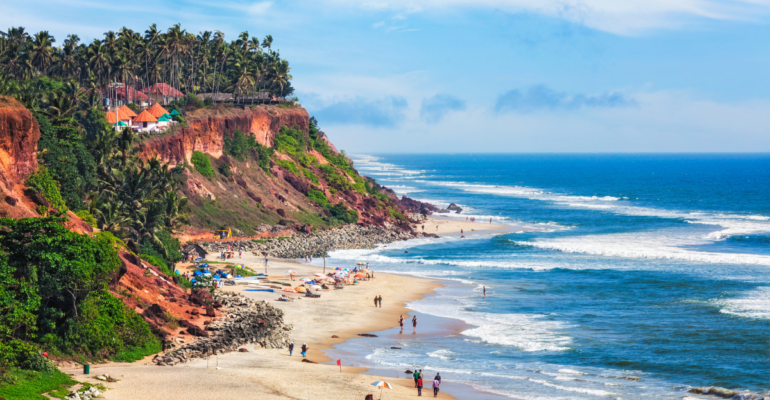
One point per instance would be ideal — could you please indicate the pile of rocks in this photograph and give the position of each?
(87, 394)
(243, 321)
(319, 243)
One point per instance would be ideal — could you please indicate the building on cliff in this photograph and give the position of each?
(162, 93)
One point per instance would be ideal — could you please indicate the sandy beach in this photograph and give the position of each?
(442, 225)
(271, 373)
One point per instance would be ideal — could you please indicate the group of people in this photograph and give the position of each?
(308, 258)
(418, 383)
(378, 301)
(229, 252)
(473, 219)
(304, 349)
(401, 323)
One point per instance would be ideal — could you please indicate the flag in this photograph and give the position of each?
(339, 362)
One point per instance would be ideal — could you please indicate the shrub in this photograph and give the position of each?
(224, 169)
(289, 166)
(202, 164)
(86, 217)
(319, 197)
(156, 261)
(42, 182)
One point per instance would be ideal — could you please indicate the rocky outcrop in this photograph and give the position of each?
(243, 321)
(19, 134)
(206, 133)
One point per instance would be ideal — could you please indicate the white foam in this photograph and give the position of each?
(442, 354)
(595, 392)
(526, 332)
(661, 244)
(753, 304)
(733, 224)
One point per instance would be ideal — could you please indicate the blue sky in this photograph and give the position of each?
(493, 75)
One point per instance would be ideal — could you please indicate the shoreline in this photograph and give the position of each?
(271, 373)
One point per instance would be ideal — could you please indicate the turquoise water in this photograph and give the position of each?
(645, 275)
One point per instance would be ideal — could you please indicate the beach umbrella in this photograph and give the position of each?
(304, 279)
(382, 385)
(360, 263)
(360, 276)
(346, 270)
(291, 272)
(338, 269)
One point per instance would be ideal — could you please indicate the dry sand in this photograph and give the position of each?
(272, 374)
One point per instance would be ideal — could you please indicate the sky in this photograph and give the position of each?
(455, 76)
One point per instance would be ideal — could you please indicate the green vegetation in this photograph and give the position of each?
(289, 166)
(202, 164)
(43, 183)
(241, 145)
(291, 141)
(224, 170)
(30, 385)
(187, 62)
(87, 217)
(53, 292)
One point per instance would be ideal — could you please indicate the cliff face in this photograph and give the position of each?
(205, 133)
(19, 134)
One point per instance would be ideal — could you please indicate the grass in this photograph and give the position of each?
(134, 353)
(30, 385)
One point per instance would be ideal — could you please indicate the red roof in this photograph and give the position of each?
(163, 89)
(133, 95)
(144, 116)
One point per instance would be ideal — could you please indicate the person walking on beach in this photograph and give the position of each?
(375, 301)
(419, 386)
(416, 376)
(291, 348)
(266, 261)
(462, 234)
(436, 384)
(401, 323)
(379, 300)
(414, 324)
(304, 349)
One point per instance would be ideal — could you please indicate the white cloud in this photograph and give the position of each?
(259, 8)
(626, 17)
(663, 121)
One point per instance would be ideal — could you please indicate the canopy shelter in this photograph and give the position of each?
(157, 111)
(164, 120)
(127, 111)
(145, 121)
(174, 112)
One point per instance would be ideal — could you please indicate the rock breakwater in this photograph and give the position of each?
(319, 243)
(242, 321)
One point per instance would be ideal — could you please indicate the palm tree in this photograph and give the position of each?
(42, 52)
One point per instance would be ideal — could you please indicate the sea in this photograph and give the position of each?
(623, 276)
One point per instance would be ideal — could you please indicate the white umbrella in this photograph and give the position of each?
(382, 385)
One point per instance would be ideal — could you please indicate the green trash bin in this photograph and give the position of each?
(86, 369)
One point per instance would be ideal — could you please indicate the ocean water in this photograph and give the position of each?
(646, 275)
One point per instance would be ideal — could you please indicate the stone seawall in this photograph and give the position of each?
(317, 244)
